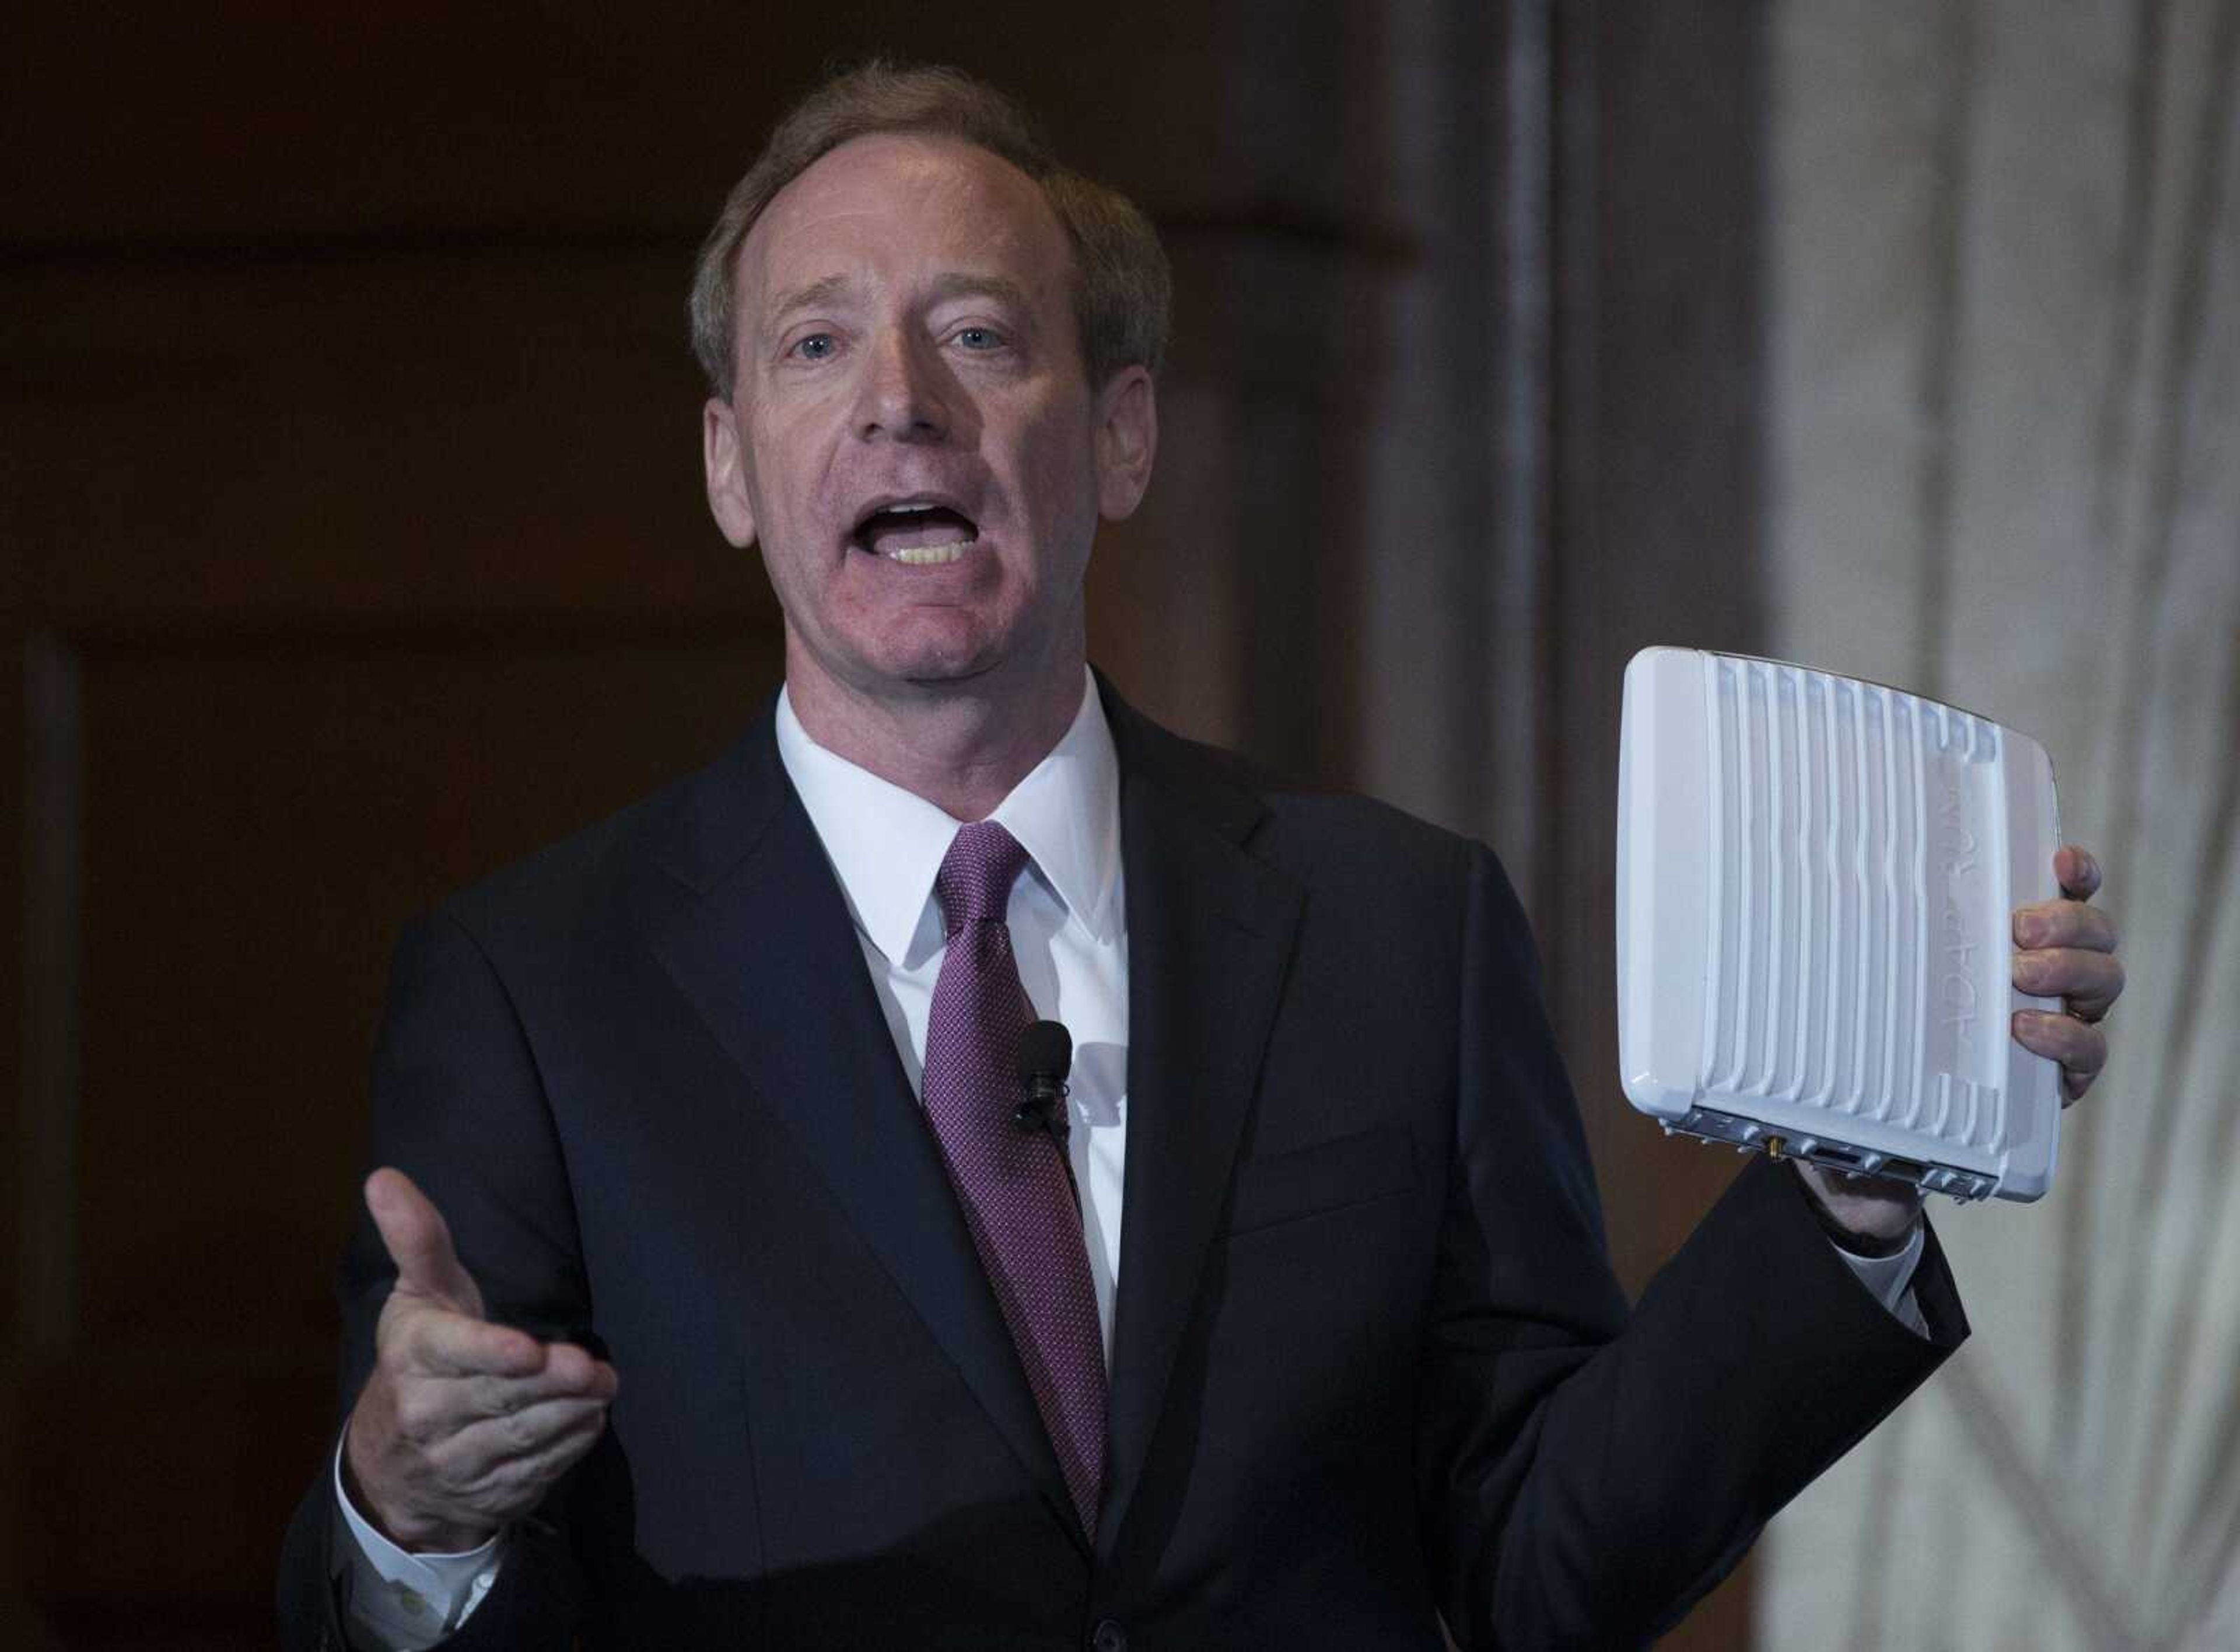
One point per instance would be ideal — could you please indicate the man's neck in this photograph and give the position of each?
(961, 747)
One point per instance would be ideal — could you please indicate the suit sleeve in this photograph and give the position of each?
(1585, 1475)
(459, 1106)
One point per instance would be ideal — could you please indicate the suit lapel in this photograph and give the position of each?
(763, 948)
(1209, 934)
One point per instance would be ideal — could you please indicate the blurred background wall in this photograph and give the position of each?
(2002, 440)
(351, 543)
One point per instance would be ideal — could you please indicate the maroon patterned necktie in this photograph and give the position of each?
(1012, 1183)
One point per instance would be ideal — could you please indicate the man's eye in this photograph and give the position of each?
(815, 348)
(979, 338)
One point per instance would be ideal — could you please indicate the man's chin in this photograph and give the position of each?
(925, 671)
(935, 652)
(931, 655)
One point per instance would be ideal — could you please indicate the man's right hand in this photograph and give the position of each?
(463, 1424)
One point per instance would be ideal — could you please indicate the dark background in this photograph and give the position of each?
(354, 543)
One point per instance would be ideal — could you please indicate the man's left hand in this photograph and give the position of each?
(2064, 949)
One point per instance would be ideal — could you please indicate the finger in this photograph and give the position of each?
(587, 1373)
(457, 1345)
(2081, 1050)
(496, 1469)
(524, 1480)
(419, 1242)
(2088, 983)
(482, 1446)
(2064, 924)
(2078, 870)
(497, 1395)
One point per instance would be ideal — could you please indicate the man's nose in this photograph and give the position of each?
(904, 393)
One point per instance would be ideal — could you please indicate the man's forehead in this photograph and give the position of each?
(900, 197)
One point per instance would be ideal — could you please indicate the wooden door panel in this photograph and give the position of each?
(433, 434)
(257, 814)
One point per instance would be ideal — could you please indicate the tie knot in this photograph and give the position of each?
(974, 883)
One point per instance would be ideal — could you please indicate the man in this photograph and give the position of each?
(722, 1291)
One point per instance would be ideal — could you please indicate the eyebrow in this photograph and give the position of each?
(812, 296)
(996, 287)
(815, 295)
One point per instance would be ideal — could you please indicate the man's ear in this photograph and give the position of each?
(722, 457)
(1127, 440)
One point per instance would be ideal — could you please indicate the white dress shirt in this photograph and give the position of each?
(1068, 919)
(1068, 932)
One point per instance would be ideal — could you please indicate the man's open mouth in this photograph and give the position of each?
(919, 532)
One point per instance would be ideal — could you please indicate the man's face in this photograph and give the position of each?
(912, 437)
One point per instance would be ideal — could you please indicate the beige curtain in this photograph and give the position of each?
(2004, 460)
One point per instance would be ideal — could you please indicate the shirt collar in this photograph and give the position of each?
(885, 843)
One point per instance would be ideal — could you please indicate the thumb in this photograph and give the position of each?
(419, 1242)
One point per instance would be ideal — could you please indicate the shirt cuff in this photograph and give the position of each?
(400, 1601)
(1889, 1279)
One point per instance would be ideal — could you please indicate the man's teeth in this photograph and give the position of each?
(931, 555)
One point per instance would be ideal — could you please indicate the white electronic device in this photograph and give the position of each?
(1816, 879)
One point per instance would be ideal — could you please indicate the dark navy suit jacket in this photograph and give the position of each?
(1370, 1368)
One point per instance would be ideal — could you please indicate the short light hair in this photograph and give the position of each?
(1122, 288)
